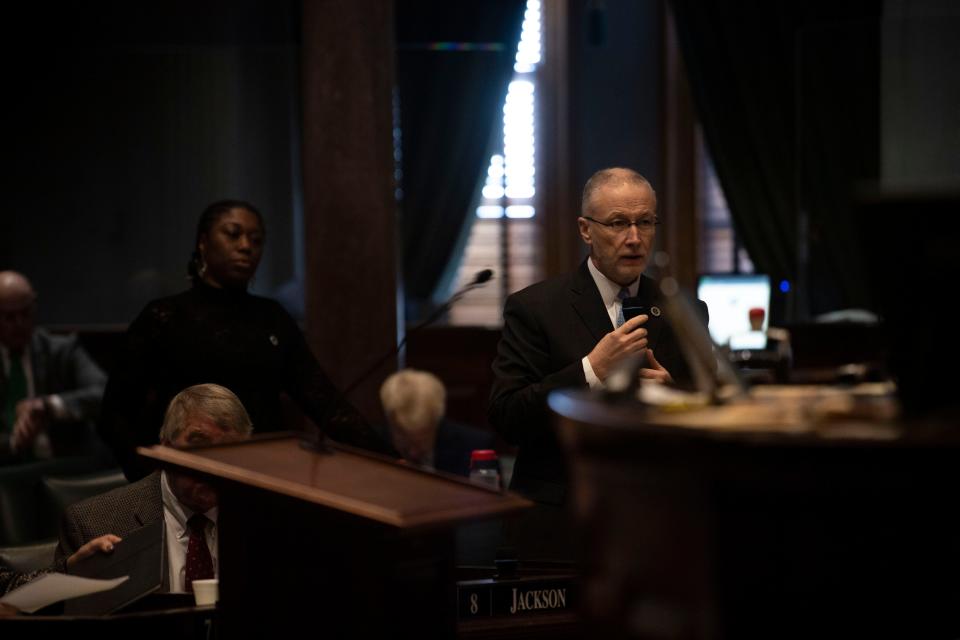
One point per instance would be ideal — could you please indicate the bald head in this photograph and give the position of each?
(611, 177)
(16, 310)
(14, 288)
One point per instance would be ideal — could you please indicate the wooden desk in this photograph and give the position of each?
(340, 543)
(491, 607)
(771, 520)
(182, 623)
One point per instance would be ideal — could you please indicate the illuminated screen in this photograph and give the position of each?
(729, 298)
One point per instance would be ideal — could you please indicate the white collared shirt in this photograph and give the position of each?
(175, 517)
(609, 291)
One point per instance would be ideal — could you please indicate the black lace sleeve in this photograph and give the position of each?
(10, 580)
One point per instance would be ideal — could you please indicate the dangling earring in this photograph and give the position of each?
(202, 269)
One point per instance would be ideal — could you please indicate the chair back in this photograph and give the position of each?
(62, 491)
(28, 557)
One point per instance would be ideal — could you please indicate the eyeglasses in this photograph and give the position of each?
(645, 226)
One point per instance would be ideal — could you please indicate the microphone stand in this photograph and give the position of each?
(318, 442)
(478, 281)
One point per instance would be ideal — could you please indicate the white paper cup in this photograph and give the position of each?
(206, 591)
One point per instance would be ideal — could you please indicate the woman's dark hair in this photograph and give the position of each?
(208, 218)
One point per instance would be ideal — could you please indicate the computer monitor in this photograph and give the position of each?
(730, 298)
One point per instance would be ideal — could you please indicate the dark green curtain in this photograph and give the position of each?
(450, 99)
(751, 77)
(839, 122)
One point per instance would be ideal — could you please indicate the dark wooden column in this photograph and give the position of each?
(558, 197)
(677, 197)
(349, 204)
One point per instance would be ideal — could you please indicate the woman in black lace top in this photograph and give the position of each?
(218, 332)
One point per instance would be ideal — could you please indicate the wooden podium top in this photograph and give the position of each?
(374, 488)
(863, 416)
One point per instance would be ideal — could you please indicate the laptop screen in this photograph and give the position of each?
(731, 299)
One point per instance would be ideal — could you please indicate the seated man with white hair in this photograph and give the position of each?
(201, 414)
(415, 403)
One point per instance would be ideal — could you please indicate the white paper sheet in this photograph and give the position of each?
(54, 587)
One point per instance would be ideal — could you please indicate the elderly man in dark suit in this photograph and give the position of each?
(570, 332)
(201, 414)
(50, 389)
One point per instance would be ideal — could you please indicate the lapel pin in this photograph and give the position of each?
(655, 311)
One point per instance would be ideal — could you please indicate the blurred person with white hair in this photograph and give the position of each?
(415, 405)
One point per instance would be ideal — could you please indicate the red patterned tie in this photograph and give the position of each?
(199, 562)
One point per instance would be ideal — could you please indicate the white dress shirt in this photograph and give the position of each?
(608, 292)
(175, 517)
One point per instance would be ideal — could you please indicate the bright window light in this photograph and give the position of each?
(520, 211)
(510, 177)
(489, 211)
(528, 50)
(493, 192)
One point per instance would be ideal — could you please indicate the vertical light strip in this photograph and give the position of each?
(510, 181)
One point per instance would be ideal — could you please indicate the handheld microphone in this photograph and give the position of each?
(632, 307)
(479, 279)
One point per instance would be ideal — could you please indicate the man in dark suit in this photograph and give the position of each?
(50, 389)
(569, 331)
(201, 414)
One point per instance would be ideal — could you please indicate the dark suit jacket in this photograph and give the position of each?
(121, 512)
(61, 366)
(455, 443)
(547, 330)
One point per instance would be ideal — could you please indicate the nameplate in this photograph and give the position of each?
(520, 597)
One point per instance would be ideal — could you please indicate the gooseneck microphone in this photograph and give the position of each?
(479, 279)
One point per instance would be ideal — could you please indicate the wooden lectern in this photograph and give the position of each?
(338, 544)
(771, 518)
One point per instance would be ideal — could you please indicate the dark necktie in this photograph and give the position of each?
(624, 293)
(199, 561)
(15, 391)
